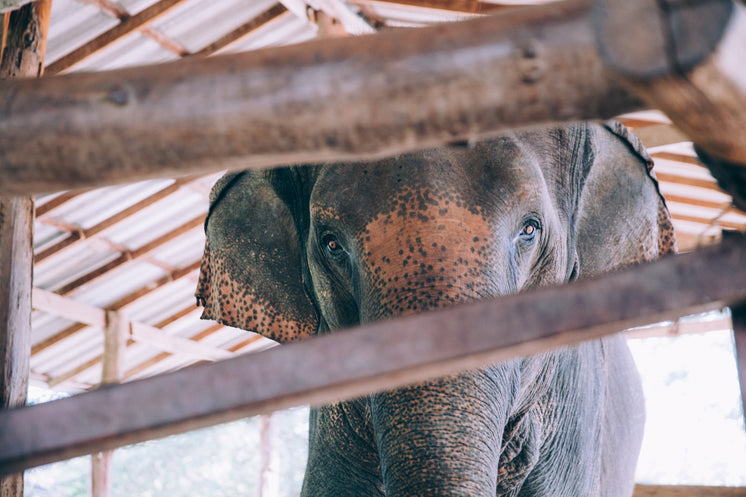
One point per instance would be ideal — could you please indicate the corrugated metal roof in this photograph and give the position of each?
(136, 248)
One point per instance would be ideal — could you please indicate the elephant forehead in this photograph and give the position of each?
(441, 237)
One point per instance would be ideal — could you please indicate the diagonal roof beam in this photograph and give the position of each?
(265, 17)
(139, 332)
(128, 256)
(115, 10)
(128, 25)
(464, 6)
(77, 236)
(118, 305)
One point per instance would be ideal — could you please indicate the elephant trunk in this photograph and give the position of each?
(443, 437)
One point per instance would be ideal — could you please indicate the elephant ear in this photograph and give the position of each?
(622, 218)
(252, 271)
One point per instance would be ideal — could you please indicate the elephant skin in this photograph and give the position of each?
(294, 252)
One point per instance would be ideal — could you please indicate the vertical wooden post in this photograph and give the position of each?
(115, 343)
(268, 477)
(21, 55)
(738, 316)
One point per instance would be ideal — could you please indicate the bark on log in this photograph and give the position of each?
(375, 357)
(687, 491)
(22, 55)
(686, 59)
(337, 99)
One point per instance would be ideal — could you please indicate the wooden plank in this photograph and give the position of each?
(106, 38)
(67, 308)
(128, 256)
(377, 356)
(687, 491)
(267, 16)
(79, 235)
(115, 10)
(119, 304)
(338, 99)
(465, 6)
(678, 328)
(176, 345)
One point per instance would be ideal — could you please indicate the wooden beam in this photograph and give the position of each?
(79, 235)
(679, 328)
(140, 332)
(116, 334)
(131, 255)
(119, 304)
(156, 337)
(339, 99)
(24, 39)
(687, 491)
(116, 10)
(465, 6)
(267, 16)
(686, 59)
(341, 364)
(105, 39)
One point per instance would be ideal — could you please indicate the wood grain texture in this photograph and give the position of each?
(24, 35)
(336, 99)
(687, 491)
(378, 356)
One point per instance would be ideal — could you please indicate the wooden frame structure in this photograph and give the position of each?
(473, 96)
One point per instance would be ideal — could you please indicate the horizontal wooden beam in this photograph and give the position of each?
(377, 356)
(140, 332)
(687, 491)
(336, 99)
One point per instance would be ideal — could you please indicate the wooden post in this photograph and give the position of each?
(115, 344)
(268, 478)
(23, 46)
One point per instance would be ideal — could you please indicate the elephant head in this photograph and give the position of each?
(293, 252)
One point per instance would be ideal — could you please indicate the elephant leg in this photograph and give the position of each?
(342, 460)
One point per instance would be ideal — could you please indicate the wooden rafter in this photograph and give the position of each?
(115, 10)
(125, 27)
(118, 305)
(245, 29)
(131, 255)
(449, 340)
(138, 332)
(77, 235)
(465, 6)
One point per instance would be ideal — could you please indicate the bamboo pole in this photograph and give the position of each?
(378, 356)
(338, 99)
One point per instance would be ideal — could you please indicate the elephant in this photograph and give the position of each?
(293, 252)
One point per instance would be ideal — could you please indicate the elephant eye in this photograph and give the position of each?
(529, 230)
(332, 245)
